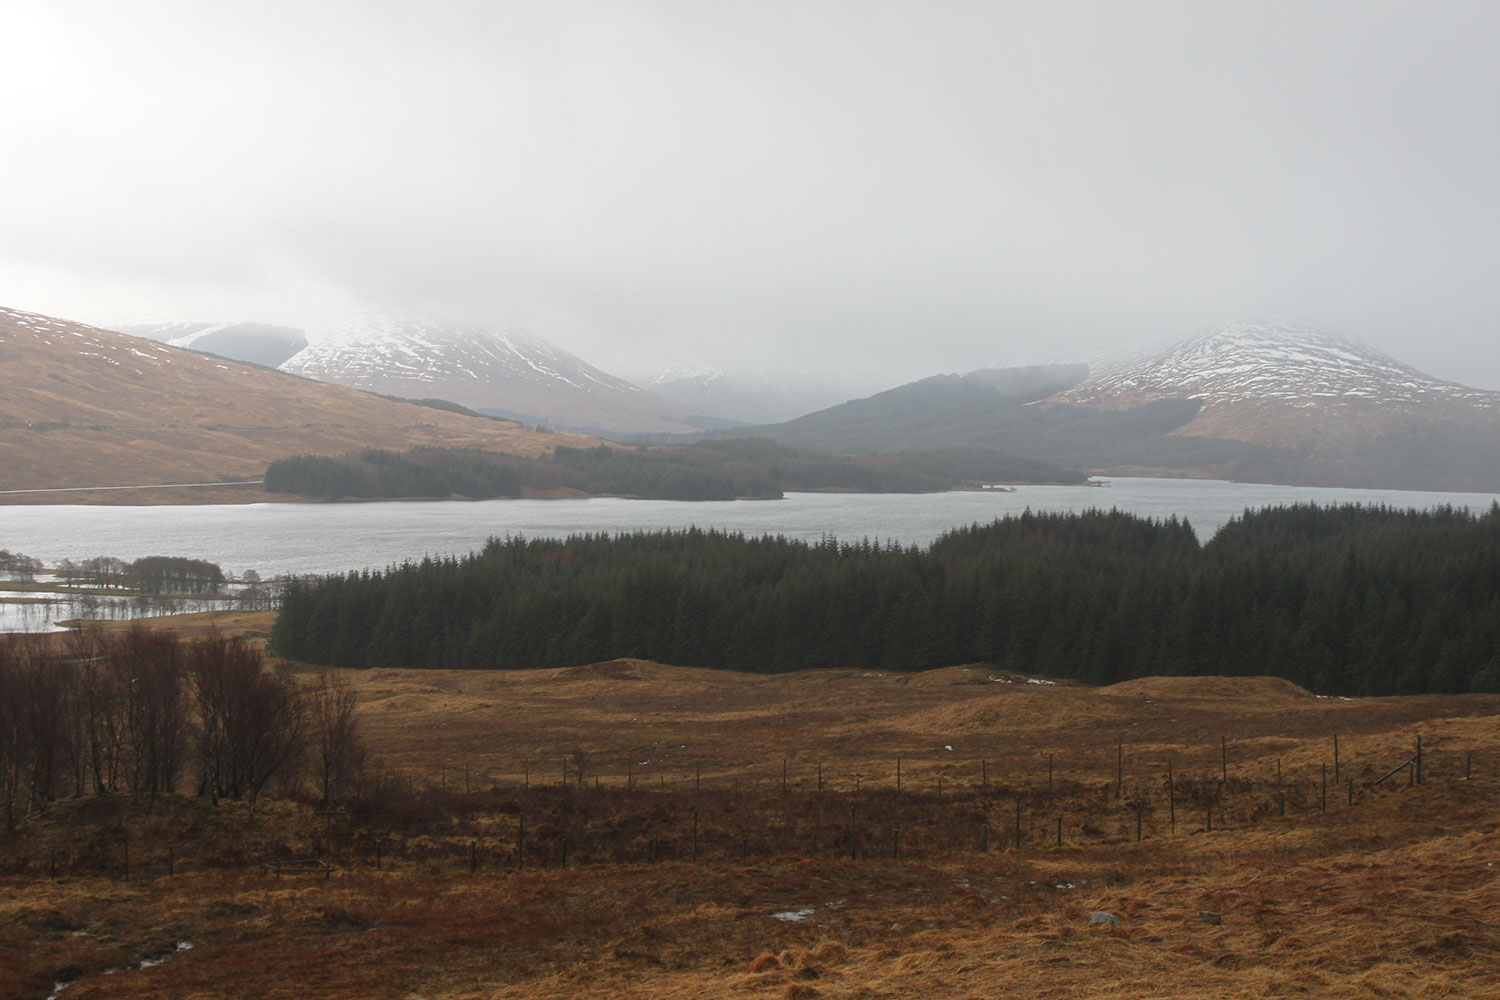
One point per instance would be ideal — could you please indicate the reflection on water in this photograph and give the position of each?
(41, 611)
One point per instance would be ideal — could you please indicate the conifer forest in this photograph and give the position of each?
(1344, 600)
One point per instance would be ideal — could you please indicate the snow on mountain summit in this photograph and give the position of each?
(378, 348)
(484, 368)
(1271, 362)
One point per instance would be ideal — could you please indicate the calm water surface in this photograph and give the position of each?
(319, 538)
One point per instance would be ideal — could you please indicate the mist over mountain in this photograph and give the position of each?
(1267, 402)
(751, 396)
(85, 407)
(257, 343)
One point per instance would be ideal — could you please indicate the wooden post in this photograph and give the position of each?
(630, 777)
(984, 774)
(940, 786)
(1469, 765)
(526, 776)
(695, 835)
(1281, 802)
(1351, 791)
(697, 778)
(1139, 812)
(853, 835)
(896, 842)
(565, 772)
(1059, 830)
(984, 839)
(473, 858)
(1171, 799)
(744, 848)
(1018, 822)
(898, 772)
(1208, 818)
(1278, 773)
(783, 776)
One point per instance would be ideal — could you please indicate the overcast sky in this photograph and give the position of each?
(914, 187)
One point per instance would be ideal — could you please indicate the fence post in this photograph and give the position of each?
(896, 842)
(783, 776)
(1224, 759)
(853, 836)
(1171, 798)
(1469, 765)
(1018, 822)
(695, 835)
(1351, 791)
(984, 774)
(898, 772)
(984, 839)
(473, 857)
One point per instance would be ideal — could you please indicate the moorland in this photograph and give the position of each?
(630, 829)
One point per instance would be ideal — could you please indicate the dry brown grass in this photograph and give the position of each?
(1393, 896)
(86, 407)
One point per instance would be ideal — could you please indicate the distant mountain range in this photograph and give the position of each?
(85, 407)
(503, 374)
(1265, 402)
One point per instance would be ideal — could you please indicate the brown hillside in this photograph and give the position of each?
(84, 407)
(688, 834)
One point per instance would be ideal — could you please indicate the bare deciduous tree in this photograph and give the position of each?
(335, 734)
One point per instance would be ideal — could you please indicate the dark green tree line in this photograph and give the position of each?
(1351, 600)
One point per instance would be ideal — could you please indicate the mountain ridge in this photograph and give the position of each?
(87, 407)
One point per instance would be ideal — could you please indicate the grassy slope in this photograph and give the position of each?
(1388, 897)
(88, 407)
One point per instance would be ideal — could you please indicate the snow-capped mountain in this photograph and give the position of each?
(751, 397)
(1326, 410)
(478, 366)
(87, 407)
(485, 369)
(1271, 362)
